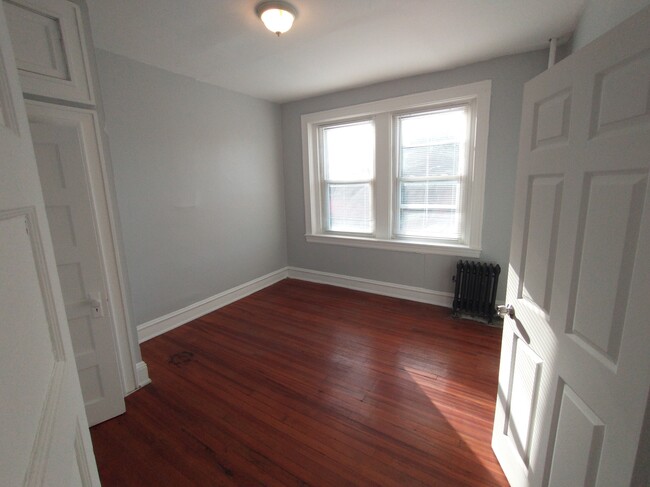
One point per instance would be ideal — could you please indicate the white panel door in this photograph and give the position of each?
(45, 438)
(575, 360)
(66, 150)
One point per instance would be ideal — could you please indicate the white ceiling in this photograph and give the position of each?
(334, 44)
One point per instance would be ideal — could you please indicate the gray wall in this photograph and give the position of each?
(508, 75)
(199, 182)
(599, 16)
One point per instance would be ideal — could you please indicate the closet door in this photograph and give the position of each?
(47, 37)
(67, 155)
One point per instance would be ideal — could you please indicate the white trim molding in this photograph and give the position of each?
(376, 243)
(142, 374)
(168, 322)
(401, 291)
(172, 320)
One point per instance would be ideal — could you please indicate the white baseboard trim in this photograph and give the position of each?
(168, 322)
(410, 293)
(175, 319)
(142, 374)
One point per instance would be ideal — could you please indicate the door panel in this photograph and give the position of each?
(617, 198)
(45, 439)
(621, 97)
(540, 240)
(48, 46)
(522, 396)
(579, 276)
(551, 120)
(60, 139)
(44, 376)
(577, 440)
(37, 38)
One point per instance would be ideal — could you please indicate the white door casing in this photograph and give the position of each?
(575, 361)
(67, 157)
(45, 438)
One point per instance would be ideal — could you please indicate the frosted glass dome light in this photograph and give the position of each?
(278, 17)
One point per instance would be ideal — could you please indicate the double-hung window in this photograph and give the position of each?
(400, 174)
(432, 161)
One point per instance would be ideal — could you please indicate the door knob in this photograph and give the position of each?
(95, 302)
(508, 309)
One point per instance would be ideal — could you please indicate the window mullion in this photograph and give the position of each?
(383, 175)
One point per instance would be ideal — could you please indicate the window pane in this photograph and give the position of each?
(429, 194)
(349, 152)
(429, 209)
(427, 222)
(434, 128)
(430, 160)
(349, 208)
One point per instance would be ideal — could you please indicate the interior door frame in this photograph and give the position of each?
(104, 219)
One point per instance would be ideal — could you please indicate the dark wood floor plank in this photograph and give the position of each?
(305, 384)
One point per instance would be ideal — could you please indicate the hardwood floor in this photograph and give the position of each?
(305, 384)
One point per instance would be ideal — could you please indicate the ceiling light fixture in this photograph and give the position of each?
(278, 17)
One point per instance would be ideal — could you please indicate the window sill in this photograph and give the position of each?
(395, 245)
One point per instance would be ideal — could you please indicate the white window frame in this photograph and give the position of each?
(383, 112)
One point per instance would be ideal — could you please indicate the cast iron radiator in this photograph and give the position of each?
(476, 289)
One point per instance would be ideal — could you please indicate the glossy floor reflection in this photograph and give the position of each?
(306, 384)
